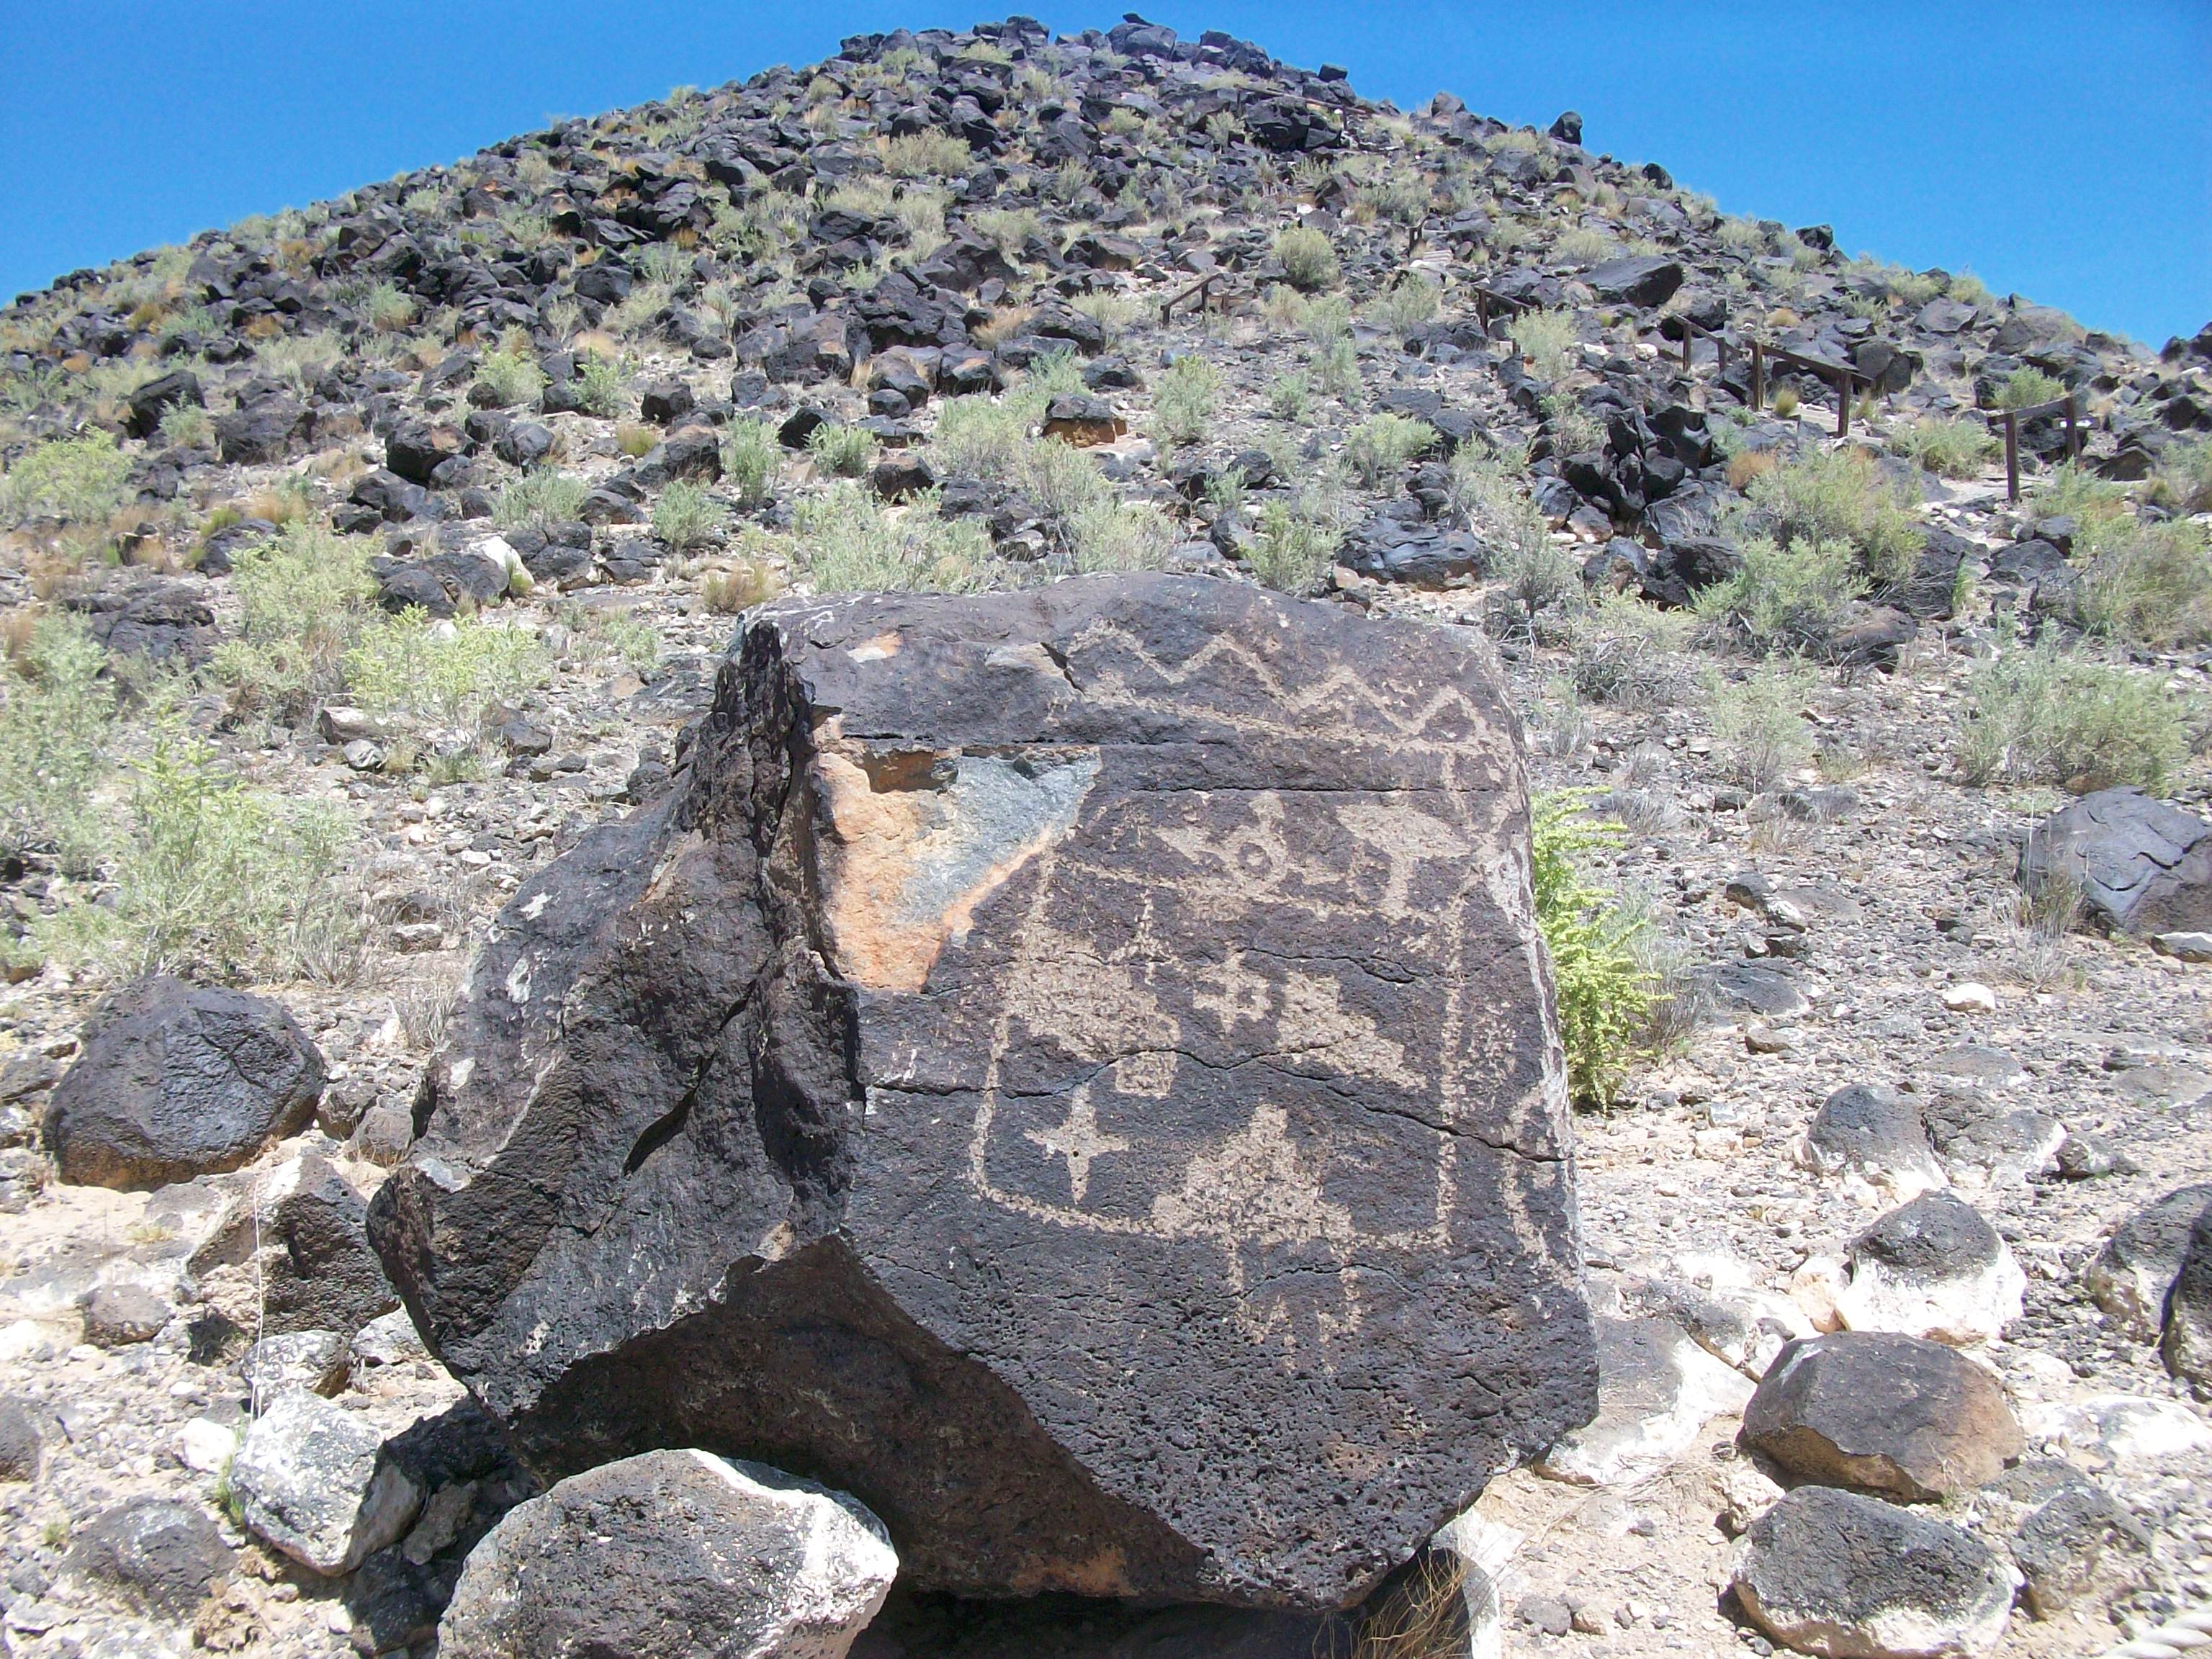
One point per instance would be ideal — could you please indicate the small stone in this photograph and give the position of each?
(177, 1080)
(2130, 1276)
(1969, 998)
(313, 1360)
(676, 1553)
(1884, 1414)
(161, 1555)
(21, 1442)
(1933, 1268)
(1876, 1134)
(362, 756)
(2187, 1347)
(2183, 946)
(119, 1314)
(311, 1479)
(1832, 1573)
(1545, 1613)
(2065, 1532)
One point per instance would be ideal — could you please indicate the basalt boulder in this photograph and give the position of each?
(1072, 1069)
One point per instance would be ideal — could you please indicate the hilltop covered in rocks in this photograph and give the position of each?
(362, 561)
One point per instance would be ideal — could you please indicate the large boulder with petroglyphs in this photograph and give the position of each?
(1071, 1068)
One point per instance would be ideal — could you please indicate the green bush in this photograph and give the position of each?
(2024, 388)
(846, 543)
(1336, 367)
(447, 672)
(1787, 597)
(541, 498)
(57, 725)
(686, 516)
(2041, 714)
(1759, 726)
(79, 479)
(842, 452)
(1293, 549)
(750, 459)
(389, 310)
(1544, 338)
(1826, 496)
(511, 377)
(602, 388)
(1183, 399)
(2185, 476)
(211, 878)
(925, 156)
(1408, 304)
(981, 437)
(187, 426)
(1308, 261)
(304, 598)
(1289, 397)
(1118, 535)
(1597, 944)
(1381, 445)
(1951, 449)
(1536, 572)
(2147, 582)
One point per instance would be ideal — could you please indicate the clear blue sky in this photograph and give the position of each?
(2057, 149)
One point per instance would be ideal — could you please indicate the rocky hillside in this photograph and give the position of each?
(367, 572)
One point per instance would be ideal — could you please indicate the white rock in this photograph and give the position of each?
(309, 1478)
(1479, 1547)
(1969, 998)
(1935, 1269)
(204, 1445)
(1657, 1389)
(673, 1552)
(2136, 1433)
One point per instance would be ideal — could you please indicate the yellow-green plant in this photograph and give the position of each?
(1596, 944)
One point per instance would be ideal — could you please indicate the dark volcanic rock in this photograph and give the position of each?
(1885, 1413)
(159, 1555)
(1637, 280)
(1830, 1573)
(1211, 1228)
(2141, 865)
(177, 1080)
(2188, 1344)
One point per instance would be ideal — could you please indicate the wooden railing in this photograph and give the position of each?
(2069, 405)
(1201, 290)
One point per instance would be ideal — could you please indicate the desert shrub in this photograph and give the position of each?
(1308, 261)
(211, 877)
(1574, 430)
(304, 598)
(1118, 535)
(750, 459)
(57, 725)
(1603, 988)
(925, 155)
(1951, 449)
(2039, 714)
(1007, 228)
(979, 436)
(187, 426)
(1292, 549)
(1788, 595)
(1290, 397)
(1818, 497)
(1536, 572)
(1758, 726)
(2147, 582)
(2185, 476)
(741, 586)
(1627, 654)
(602, 388)
(2024, 388)
(541, 498)
(844, 452)
(2072, 491)
(1114, 312)
(80, 479)
(1544, 338)
(449, 673)
(686, 516)
(1382, 445)
(1183, 397)
(1055, 375)
(1409, 303)
(1583, 244)
(1336, 368)
(634, 439)
(389, 310)
(846, 542)
(513, 377)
